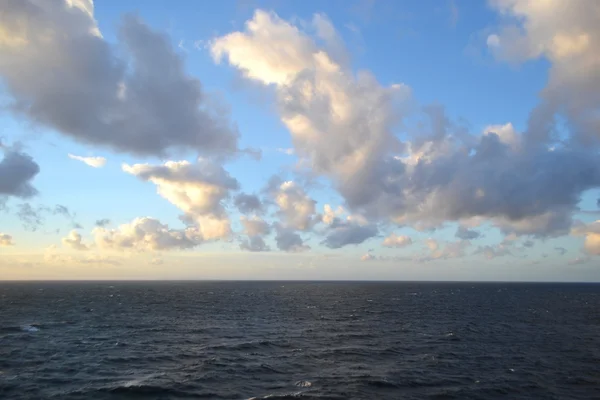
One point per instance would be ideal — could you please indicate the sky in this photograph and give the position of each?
(277, 139)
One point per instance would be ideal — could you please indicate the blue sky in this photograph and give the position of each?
(460, 60)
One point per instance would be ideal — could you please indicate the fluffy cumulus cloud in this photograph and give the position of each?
(146, 234)
(343, 124)
(330, 216)
(95, 162)
(289, 240)
(198, 189)
(255, 228)
(17, 170)
(74, 241)
(398, 241)
(296, 209)
(134, 96)
(6, 240)
(568, 35)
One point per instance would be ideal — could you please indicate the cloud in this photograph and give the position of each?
(466, 234)
(444, 251)
(579, 260)
(73, 241)
(339, 121)
(17, 170)
(255, 226)
(6, 240)
(568, 35)
(248, 203)
(254, 244)
(95, 162)
(288, 240)
(132, 96)
(368, 257)
(331, 216)
(394, 240)
(287, 151)
(198, 190)
(296, 209)
(34, 217)
(346, 233)
(30, 217)
(591, 233)
(561, 250)
(102, 222)
(146, 234)
(490, 252)
(528, 243)
(342, 125)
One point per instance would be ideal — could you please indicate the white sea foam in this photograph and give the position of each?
(29, 328)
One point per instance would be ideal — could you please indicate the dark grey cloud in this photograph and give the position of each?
(248, 203)
(288, 240)
(17, 170)
(254, 244)
(561, 250)
(133, 97)
(102, 222)
(528, 243)
(348, 233)
(466, 234)
(33, 217)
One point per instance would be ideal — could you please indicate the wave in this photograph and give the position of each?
(21, 328)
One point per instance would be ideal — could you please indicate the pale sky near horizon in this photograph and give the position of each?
(279, 139)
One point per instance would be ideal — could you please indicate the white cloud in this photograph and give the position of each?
(96, 162)
(73, 240)
(368, 257)
(199, 190)
(288, 151)
(143, 234)
(394, 240)
(330, 215)
(444, 251)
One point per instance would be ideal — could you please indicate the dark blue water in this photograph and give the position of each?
(241, 340)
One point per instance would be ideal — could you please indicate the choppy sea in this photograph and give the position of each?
(285, 340)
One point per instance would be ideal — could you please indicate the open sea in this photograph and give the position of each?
(287, 340)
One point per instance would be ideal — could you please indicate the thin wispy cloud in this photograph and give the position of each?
(95, 162)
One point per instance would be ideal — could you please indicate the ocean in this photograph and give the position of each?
(286, 340)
